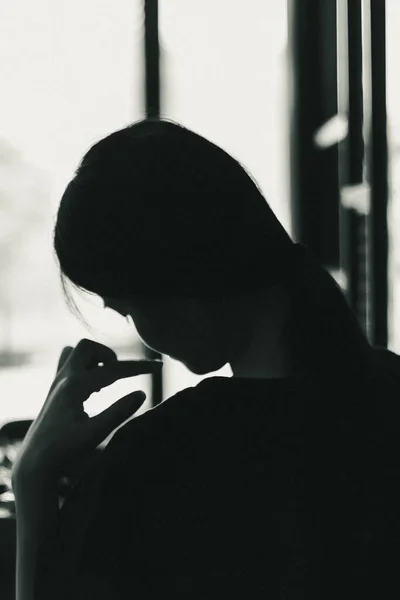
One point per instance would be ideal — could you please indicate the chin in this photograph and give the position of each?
(204, 369)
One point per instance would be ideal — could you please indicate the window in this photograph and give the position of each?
(72, 73)
(393, 113)
(223, 74)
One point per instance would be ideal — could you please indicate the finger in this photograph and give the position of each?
(111, 372)
(65, 354)
(105, 422)
(88, 354)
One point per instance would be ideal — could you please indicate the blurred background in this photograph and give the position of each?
(305, 93)
(73, 72)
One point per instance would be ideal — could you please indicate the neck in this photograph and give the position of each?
(262, 352)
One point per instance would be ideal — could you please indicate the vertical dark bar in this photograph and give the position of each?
(352, 166)
(152, 59)
(355, 83)
(378, 166)
(152, 100)
(314, 171)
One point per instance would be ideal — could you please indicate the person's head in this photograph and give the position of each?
(170, 229)
(203, 333)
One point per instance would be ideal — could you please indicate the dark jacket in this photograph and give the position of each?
(281, 489)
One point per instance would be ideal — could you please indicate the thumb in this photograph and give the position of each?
(105, 422)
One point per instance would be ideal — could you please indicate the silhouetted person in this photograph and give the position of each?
(277, 483)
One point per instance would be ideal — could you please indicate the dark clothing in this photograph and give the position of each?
(240, 488)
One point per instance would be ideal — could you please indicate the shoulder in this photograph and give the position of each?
(160, 430)
(179, 408)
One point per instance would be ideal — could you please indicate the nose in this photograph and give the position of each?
(116, 305)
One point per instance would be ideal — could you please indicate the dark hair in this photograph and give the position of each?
(157, 209)
(324, 334)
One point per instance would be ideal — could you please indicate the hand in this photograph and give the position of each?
(63, 432)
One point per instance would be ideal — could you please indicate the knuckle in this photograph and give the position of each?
(64, 355)
(106, 352)
(89, 353)
(84, 343)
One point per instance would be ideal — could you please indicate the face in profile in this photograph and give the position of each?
(186, 330)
